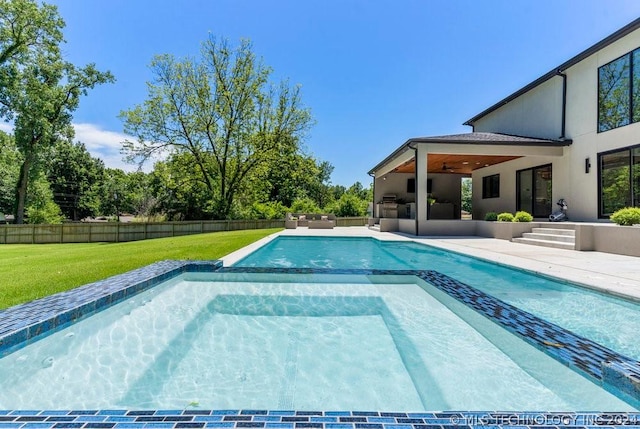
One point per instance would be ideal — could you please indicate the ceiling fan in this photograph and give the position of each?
(448, 168)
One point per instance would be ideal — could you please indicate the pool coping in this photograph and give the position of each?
(25, 323)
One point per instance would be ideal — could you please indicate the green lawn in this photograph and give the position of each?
(32, 271)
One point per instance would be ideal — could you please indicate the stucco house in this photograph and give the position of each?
(573, 133)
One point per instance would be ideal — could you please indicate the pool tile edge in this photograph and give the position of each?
(21, 324)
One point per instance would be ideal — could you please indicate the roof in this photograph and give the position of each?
(474, 138)
(634, 25)
(490, 138)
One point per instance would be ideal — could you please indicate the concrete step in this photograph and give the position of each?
(375, 227)
(554, 231)
(550, 237)
(545, 243)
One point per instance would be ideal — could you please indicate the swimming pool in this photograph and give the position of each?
(241, 340)
(585, 312)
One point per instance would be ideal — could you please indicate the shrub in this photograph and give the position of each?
(348, 205)
(491, 216)
(627, 216)
(304, 205)
(522, 217)
(505, 217)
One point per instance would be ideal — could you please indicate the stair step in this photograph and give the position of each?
(545, 243)
(554, 231)
(550, 237)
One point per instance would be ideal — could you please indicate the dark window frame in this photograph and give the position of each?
(629, 149)
(491, 186)
(631, 54)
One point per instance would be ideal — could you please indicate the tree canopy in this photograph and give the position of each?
(232, 138)
(39, 90)
(224, 113)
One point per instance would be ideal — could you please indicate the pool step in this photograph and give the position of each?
(559, 238)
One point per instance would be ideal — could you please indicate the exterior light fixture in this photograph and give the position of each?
(587, 165)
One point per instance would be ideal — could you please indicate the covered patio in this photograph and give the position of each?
(419, 184)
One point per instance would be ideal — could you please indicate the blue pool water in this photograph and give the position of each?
(606, 320)
(286, 341)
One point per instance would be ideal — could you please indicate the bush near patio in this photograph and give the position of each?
(491, 217)
(627, 216)
(522, 216)
(505, 217)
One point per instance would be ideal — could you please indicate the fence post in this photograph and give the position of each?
(145, 230)
(117, 232)
(33, 234)
(62, 233)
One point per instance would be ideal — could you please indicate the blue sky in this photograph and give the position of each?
(374, 73)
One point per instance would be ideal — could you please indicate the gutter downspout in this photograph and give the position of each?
(415, 180)
(564, 103)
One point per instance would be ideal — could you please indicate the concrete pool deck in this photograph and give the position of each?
(611, 273)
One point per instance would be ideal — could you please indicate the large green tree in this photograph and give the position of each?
(39, 90)
(75, 178)
(223, 112)
(9, 170)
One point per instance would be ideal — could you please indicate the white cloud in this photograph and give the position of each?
(101, 144)
(105, 145)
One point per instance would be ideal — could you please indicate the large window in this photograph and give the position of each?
(619, 173)
(619, 92)
(491, 186)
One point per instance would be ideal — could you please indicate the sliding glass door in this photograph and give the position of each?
(534, 190)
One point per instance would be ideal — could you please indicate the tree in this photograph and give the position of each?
(40, 207)
(223, 112)
(39, 91)
(9, 170)
(467, 195)
(27, 29)
(75, 178)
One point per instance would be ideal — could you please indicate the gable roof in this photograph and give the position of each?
(634, 25)
(475, 138)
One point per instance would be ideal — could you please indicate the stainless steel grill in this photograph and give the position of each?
(389, 206)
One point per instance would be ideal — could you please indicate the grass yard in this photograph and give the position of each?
(32, 271)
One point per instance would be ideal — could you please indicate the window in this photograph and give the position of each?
(619, 92)
(619, 173)
(491, 186)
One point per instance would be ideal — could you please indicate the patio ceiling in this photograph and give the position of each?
(454, 163)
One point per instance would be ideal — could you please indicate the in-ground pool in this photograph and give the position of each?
(607, 320)
(291, 341)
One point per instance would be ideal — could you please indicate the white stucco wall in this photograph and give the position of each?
(538, 113)
(531, 115)
(506, 202)
(394, 183)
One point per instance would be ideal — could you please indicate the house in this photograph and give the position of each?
(573, 133)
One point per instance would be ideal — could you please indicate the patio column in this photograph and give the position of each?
(421, 185)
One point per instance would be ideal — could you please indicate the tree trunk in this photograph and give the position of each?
(21, 191)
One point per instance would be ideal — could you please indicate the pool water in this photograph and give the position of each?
(607, 320)
(284, 341)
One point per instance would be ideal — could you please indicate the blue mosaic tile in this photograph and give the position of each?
(22, 323)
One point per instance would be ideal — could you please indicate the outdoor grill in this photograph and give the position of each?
(389, 206)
